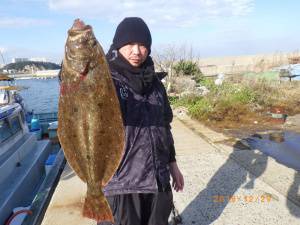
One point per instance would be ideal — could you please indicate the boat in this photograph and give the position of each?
(29, 165)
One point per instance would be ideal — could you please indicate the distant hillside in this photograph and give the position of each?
(31, 66)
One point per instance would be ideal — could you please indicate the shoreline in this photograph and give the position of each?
(31, 76)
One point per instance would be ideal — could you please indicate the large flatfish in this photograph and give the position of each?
(90, 128)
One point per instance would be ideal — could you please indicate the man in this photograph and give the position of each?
(140, 192)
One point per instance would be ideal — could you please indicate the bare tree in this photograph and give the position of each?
(164, 59)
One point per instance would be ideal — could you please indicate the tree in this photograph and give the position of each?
(165, 59)
(186, 67)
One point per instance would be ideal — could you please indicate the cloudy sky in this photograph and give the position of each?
(38, 28)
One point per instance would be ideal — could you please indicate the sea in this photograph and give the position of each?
(40, 95)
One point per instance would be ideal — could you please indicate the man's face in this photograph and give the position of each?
(134, 53)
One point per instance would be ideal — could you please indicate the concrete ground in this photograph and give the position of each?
(220, 190)
(218, 187)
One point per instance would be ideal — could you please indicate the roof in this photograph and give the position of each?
(12, 88)
(4, 77)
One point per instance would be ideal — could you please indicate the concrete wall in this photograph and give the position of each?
(240, 64)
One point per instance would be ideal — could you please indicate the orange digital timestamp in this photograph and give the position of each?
(242, 198)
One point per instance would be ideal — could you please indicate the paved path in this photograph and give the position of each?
(218, 190)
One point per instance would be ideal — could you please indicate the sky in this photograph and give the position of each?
(212, 28)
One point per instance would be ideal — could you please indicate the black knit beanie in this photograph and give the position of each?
(132, 29)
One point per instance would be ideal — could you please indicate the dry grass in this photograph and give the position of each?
(274, 93)
(289, 97)
(244, 102)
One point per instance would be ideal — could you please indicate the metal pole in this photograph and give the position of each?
(2, 57)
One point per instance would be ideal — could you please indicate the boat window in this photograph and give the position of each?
(5, 131)
(15, 125)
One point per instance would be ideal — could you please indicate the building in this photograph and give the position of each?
(15, 60)
(47, 73)
(38, 59)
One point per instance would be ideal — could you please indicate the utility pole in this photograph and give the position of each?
(2, 57)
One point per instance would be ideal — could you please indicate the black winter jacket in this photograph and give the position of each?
(149, 145)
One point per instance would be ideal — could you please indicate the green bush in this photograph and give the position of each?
(227, 101)
(198, 77)
(242, 95)
(173, 99)
(186, 68)
(201, 109)
(186, 101)
(237, 102)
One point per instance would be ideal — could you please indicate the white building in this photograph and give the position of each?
(47, 73)
(15, 60)
(34, 59)
(38, 59)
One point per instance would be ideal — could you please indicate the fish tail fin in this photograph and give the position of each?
(96, 207)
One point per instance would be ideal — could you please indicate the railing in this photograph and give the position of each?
(285, 73)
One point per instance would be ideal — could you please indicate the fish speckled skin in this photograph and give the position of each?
(90, 128)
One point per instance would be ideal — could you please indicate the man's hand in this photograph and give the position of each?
(177, 178)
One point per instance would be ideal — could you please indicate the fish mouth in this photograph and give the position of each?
(78, 25)
(79, 28)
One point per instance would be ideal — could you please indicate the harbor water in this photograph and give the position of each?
(41, 95)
